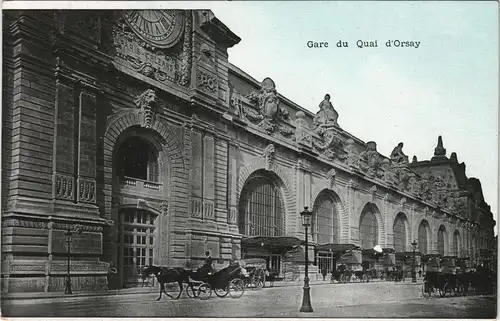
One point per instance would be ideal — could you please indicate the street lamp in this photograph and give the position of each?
(413, 272)
(306, 216)
(69, 234)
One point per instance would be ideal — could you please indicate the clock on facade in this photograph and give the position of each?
(159, 28)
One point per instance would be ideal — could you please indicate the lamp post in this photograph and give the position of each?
(69, 234)
(306, 216)
(413, 272)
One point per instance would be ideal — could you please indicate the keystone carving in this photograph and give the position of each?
(330, 177)
(268, 154)
(146, 103)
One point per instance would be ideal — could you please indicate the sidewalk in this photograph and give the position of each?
(155, 289)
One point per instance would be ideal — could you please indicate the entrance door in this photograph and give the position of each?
(137, 242)
(275, 262)
(325, 261)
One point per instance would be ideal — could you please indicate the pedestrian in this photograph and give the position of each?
(419, 273)
(323, 272)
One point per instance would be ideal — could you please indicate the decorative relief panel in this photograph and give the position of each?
(207, 82)
(196, 208)
(208, 210)
(145, 41)
(233, 215)
(86, 190)
(64, 187)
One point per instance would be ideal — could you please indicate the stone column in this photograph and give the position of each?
(353, 226)
(232, 181)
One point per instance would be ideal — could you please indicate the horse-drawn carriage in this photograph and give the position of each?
(443, 277)
(229, 280)
(257, 272)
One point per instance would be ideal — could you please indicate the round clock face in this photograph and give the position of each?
(160, 28)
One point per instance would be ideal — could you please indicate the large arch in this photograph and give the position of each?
(442, 240)
(370, 215)
(168, 142)
(259, 164)
(325, 199)
(401, 232)
(424, 237)
(261, 210)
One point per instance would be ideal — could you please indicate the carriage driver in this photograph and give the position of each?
(207, 265)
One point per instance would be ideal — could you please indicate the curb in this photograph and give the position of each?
(136, 291)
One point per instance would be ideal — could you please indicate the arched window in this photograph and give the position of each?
(136, 238)
(368, 228)
(422, 237)
(136, 158)
(456, 243)
(325, 220)
(399, 232)
(440, 240)
(261, 208)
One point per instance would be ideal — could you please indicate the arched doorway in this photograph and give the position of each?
(368, 228)
(136, 243)
(262, 213)
(441, 240)
(423, 237)
(325, 228)
(399, 233)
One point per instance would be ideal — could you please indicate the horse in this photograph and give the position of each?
(169, 275)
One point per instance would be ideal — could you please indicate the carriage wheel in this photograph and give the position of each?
(204, 291)
(426, 290)
(192, 292)
(259, 284)
(236, 288)
(173, 290)
(221, 292)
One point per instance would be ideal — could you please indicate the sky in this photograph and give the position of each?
(447, 86)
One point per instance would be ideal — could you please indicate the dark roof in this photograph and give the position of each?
(278, 242)
(336, 248)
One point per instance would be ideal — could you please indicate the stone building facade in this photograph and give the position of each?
(134, 128)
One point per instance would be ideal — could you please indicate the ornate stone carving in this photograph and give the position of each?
(402, 202)
(352, 154)
(330, 143)
(196, 208)
(146, 103)
(268, 111)
(164, 207)
(208, 210)
(397, 175)
(64, 187)
(186, 56)
(327, 115)
(116, 200)
(142, 58)
(268, 154)
(330, 177)
(77, 227)
(397, 155)
(370, 161)
(86, 190)
(235, 102)
(303, 135)
(207, 82)
(15, 222)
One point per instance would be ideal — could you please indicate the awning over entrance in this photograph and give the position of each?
(352, 257)
(298, 255)
(336, 248)
(276, 242)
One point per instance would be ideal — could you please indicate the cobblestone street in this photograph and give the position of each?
(329, 300)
